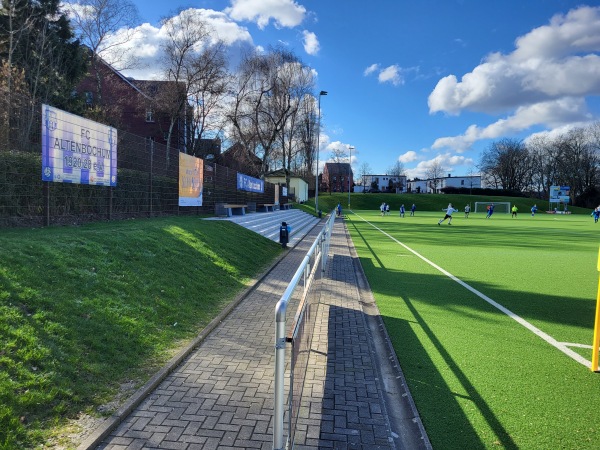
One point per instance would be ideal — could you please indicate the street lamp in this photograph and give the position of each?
(349, 173)
(318, 134)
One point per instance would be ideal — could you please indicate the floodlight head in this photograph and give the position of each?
(323, 93)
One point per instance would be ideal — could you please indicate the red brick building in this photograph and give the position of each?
(136, 106)
(335, 177)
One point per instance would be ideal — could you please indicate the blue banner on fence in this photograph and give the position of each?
(246, 183)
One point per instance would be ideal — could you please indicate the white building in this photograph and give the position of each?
(383, 183)
(431, 186)
(298, 188)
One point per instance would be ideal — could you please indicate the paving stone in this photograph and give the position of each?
(222, 396)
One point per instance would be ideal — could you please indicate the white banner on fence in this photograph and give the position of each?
(77, 150)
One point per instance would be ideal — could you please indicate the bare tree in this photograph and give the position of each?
(300, 83)
(471, 174)
(578, 161)
(11, 33)
(37, 43)
(307, 135)
(594, 135)
(508, 164)
(338, 154)
(105, 26)
(14, 97)
(544, 164)
(363, 170)
(434, 172)
(186, 35)
(261, 104)
(397, 169)
(207, 93)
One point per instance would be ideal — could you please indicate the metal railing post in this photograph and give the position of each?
(303, 272)
(279, 384)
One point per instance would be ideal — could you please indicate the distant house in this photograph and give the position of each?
(417, 186)
(136, 106)
(336, 177)
(238, 158)
(469, 182)
(298, 187)
(385, 183)
(432, 186)
(208, 149)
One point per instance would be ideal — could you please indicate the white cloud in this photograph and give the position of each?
(73, 9)
(337, 145)
(447, 161)
(552, 114)
(226, 30)
(391, 74)
(408, 157)
(544, 82)
(550, 62)
(148, 41)
(311, 43)
(577, 32)
(371, 69)
(284, 13)
(556, 132)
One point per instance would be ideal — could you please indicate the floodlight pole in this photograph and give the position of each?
(349, 172)
(318, 134)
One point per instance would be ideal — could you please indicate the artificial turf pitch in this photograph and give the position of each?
(479, 378)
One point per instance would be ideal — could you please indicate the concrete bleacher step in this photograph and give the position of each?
(267, 223)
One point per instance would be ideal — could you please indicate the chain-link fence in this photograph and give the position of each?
(147, 184)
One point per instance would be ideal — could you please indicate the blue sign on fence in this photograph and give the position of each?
(246, 183)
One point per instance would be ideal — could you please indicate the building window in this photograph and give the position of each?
(89, 98)
(462, 182)
(149, 117)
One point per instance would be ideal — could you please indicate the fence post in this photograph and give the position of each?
(151, 175)
(110, 202)
(46, 195)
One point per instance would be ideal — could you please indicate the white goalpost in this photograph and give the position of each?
(499, 207)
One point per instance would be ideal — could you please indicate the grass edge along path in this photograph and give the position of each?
(502, 387)
(85, 309)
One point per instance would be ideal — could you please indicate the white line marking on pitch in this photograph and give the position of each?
(572, 344)
(546, 337)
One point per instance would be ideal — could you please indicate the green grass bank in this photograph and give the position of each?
(85, 309)
(424, 202)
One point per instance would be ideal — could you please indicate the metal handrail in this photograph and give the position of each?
(320, 248)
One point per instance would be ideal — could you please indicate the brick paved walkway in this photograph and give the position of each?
(221, 395)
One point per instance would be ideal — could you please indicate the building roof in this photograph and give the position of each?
(281, 173)
(385, 175)
(239, 158)
(338, 168)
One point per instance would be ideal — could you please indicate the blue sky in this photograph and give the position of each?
(421, 80)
